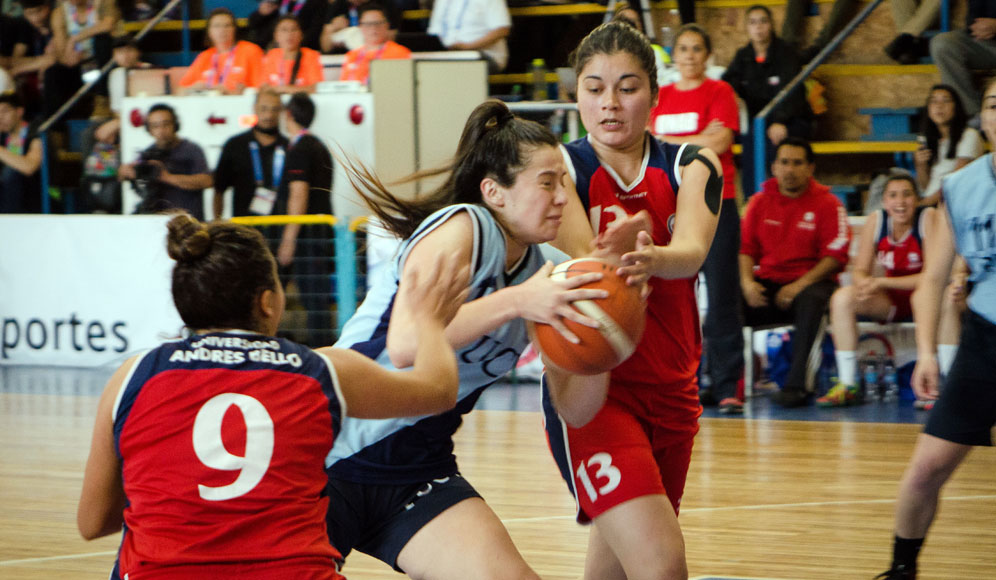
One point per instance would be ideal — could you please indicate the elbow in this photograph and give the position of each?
(91, 528)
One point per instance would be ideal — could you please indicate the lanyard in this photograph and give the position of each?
(297, 6)
(257, 165)
(18, 147)
(213, 77)
(288, 78)
(377, 55)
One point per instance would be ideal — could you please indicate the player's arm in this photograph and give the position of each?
(574, 237)
(577, 398)
(699, 200)
(538, 298)
(102, 501)
(865, 259)
(432, 295)
(926, 301)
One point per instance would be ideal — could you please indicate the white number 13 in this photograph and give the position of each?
(210, 449)
(605, 469)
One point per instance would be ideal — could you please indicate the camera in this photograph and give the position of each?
(147, 171)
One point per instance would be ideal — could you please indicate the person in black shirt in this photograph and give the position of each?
(758, 72)
(307, 189)
(20, 158)
(310, 13)
(253, 164)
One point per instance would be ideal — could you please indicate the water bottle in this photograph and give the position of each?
(891, 385)
(871, 378)
(539, 80)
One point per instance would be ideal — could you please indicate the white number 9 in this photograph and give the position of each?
(211, 450)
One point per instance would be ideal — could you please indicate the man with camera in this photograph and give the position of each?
(172, 172)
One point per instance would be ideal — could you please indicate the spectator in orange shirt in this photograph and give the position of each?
(376, 44)
(291, 67)
(227, 65)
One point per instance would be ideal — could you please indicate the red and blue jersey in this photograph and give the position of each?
(671, 345)
(902, 257)
(222, 439)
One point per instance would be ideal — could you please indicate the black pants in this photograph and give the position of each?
(805, 314)
(312, 270)
(724, 339)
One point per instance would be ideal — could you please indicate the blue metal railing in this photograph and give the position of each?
(759, 125)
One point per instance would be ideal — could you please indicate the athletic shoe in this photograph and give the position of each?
(790, 398)
(923, 405)
(731, 406)
(839, 395)
(898, 572)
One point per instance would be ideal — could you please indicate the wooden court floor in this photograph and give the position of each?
(765, 499)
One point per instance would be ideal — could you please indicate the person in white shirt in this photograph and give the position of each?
(474, 25)
(946, 122)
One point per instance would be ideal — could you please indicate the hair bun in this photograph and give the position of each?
(188, 238)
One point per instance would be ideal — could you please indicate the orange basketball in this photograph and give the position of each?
(621, 316)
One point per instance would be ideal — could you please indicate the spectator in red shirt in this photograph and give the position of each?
(794, 241)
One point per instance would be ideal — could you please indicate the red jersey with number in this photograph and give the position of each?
(222, 439)
(787, 236)
(902, 257)
(680, 113)
(668, 353)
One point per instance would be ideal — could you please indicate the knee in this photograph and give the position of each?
(945, 44)
(842, 302)
(925, 476)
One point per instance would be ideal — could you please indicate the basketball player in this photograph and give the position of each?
(627, 467)
(892, 237)
(504, 193)
(210, 450)
(965, 412)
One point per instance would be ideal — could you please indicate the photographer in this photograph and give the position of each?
(173, 172)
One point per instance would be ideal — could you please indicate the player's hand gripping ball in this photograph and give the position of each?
(621, 316)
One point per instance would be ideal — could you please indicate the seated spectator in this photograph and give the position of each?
(958, 52)
(944, 123)
(20, 158)
(376, 45)
(291, 67)
(227, 65)
(36, 54)
(309, 13)
(794, 242)
(81, 39)
(341, 32)
(481, 25)
(912, 18)
(794, 25)
(893, 238)
(758, 72)
(170, 173)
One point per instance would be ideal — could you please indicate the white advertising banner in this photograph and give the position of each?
(83, 290)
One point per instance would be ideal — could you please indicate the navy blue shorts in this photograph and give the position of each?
(379, 520)
(966, 410)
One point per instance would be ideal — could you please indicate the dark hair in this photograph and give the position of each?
(11, 98)
(495, 143)
(219, 11)
(221, 269)
(797, 142)
(762, 8)
(618, 17)
(958, 123)
(693, 27)
(126, 40)
(897, 176)
(301, 109)
(163, 107)
(290, 17)
(613, 37)
(370, 7)
(35, 3)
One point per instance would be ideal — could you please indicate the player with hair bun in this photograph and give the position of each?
(209, 450)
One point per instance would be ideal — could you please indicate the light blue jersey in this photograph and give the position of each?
(970, 198)
(419, 449)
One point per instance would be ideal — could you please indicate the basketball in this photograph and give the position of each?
(621, 316)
